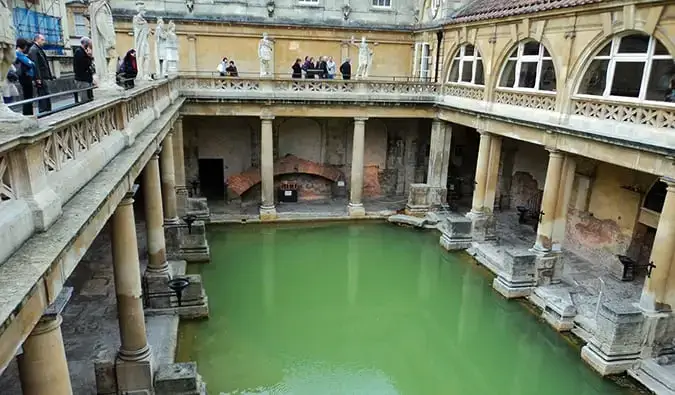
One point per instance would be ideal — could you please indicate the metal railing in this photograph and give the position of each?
(77, 96)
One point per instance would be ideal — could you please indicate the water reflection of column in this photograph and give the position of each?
(268, 269)
(353, 264)
(428, 261)
(471, 305)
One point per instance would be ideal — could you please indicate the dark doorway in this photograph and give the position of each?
(212, 178)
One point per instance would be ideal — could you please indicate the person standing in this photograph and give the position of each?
(297, 69)
(232, 69)
(323, 68)
(26, 72)
(222, 67)
(332, 67)
(346, 69)
(9, 91)
(129, 69)
(83, 67)
(42, 72)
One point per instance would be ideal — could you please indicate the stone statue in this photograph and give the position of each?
(103, 43)
(172, 49)
(365, 58)
(7, 57)
(141, 45)
(265, 48)
(161, 49)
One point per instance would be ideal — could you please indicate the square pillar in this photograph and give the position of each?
(356, 208)
(439, 158)
(267, 209)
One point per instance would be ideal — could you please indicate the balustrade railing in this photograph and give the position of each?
(650, 114)
(474, 92)
(536, 100)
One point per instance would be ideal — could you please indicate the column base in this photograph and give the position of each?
(456, 235)
(181, 200)
(194, 302)
(157, 293)
(179, 379)
(548, 266)
(119, 376)
(190, 245)
(268, 213)
(356, 210)
(171, 221)
(512, 289)
(483, 226)
(607, 365)
(516, 279)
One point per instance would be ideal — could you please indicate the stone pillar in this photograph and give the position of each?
(564, 195)
(179, 167)
(168, 182)
(549, 202)
(356, 208)
(43, 368)
(267, 209)
(492, 176)
(481, 173)
(658, 292)
(127, 274)
(154, 220)
(439, 160)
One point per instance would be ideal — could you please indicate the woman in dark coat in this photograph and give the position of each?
(297, 69)
(129, 69)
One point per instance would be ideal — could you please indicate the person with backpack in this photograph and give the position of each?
(129, 69)
(25, 70)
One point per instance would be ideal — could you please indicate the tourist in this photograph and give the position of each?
(323, 67)
(42, 72)
(332, 67)
(9, 91)
(25, 70)
(129, 69)
(305, 67)
(297, 69)
(232, 69)
(222, 67)
(83, 68)
(346, 69)
(311, 69)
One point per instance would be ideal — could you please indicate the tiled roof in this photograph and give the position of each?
(492, 9)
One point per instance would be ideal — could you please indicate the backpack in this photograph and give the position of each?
(20, 69)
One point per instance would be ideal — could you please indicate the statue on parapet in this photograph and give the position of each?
(365, 57)
(104, 44)
(161, 49)
(265, 54)
(172, 49)
(141, 44)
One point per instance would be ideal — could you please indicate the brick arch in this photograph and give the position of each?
(289, 164)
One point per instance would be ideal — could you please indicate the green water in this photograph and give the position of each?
(368, 309)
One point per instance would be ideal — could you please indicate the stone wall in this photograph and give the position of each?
(396, 150)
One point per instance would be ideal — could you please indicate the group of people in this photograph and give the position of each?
(31, 71)
(227, 68)
(324, 68)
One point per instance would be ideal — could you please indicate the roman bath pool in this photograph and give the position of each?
(368, 308)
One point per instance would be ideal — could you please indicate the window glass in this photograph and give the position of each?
(508, 78)
(528, 75)
(454, 71)
(621, 72)
(480, 79)
(468, 50)
(467, 66)
(547, 80)
(531, 48)
(532, 70)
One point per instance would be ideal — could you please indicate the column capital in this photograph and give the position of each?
(47, 324)
(360, 119)
(267, 117)
(129, 196)
(483, 132)
(555, 153)
(155, 155)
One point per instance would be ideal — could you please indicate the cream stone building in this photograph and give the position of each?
(540, 132)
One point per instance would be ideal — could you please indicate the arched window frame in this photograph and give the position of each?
(615, 57)
(476, 61)
(517, 56)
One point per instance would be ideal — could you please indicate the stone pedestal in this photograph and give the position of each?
(198, 207)
(422, 198)
(617, 340)
(517, 279)
(194, 247)
(194, 302)
(483, 226)
(456, 235)
(117, 376)
(179, 379)
(182, 197)
(548, 267)
(268, 213)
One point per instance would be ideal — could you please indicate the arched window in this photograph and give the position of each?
(529, 66)
(467, 66)
(636, 66)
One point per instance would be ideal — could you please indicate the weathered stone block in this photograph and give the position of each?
(483, 226)
(548, 269)
(617, 341)
(104, 372)
(123, 377)
(422, 197)
(157, 290)
(177, 379)
(356, 211)
(194, 246)
(456, 234)
(517, 276)
(198, 207)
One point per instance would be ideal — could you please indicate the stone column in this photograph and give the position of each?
(154, 220)
(549, 202)
(356, 208)
(179, 167)
(564, 195)
(481, 173)
(439, 154)
(267, 209)
(168, 181)
(43, 368)
(492, 176)
(127, 274)
(658, 292)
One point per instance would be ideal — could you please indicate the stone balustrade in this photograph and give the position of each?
(60, 179)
